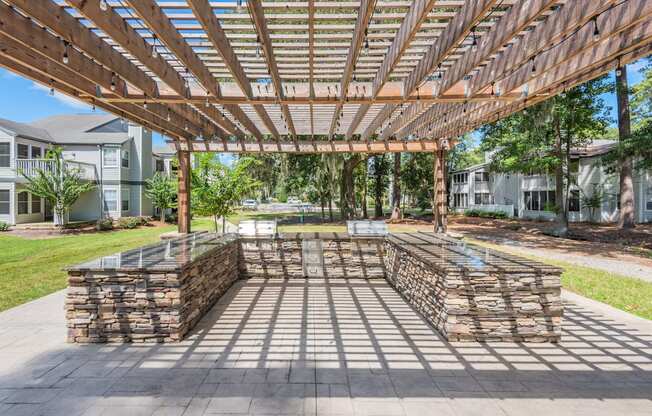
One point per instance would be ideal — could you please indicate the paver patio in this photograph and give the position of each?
(321, 347)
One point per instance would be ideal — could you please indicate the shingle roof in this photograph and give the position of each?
(164, 150)
(77, 129)
(24, 130)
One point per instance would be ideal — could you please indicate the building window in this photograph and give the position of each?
(110, 200)
(36, 204)
(648, 199)
(23, 151)
(574, 201)
(110, 157)
(5, 158)
(461, 177)
(160, 165)
(482, 176)
(125, 158)
(124, 204)
(460, 200)
(539, 200)
(5, 202)
(36, 152)
(483, 198)
(536, 172)
(23, 203)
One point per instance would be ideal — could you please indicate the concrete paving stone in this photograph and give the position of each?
(334, 400)
(278, 375)
(427, 407)
(31, 396)
(501, 385)
(20, 410)
(331, 376)
(378, 407)
(95, 369)
(283, 399)
(226, 375)
(459, 384)
(369, 385)
(303, 375)
(232, 398)
(169, 411)
(255, 375)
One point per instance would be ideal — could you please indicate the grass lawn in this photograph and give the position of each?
(31, 268)
(622, 292)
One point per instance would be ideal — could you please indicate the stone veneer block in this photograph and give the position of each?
(281, 257)
(156, 293)
(473, 294)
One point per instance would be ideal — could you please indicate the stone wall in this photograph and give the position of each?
(282, 257)
(516, 301)
(147, 305)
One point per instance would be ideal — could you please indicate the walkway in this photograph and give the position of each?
(325, 348)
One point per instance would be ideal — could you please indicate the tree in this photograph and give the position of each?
(396, 187)
(594, 200)
(217, 187)
(627, 217)
(379, 181)
(162, 191)
(542, 137)
(347, 184)
(58, 184)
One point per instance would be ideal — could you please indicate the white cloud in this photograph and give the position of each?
(63, 98)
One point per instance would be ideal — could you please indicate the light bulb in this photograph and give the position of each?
(104, 5)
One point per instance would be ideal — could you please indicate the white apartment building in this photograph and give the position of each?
(530, 195)
(114, 154)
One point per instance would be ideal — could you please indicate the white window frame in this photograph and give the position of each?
(648, 193)
(124, 155)
(123, 193)
(31, 204)
(40, 150)
(18, 145)
(7, 155)
(114, 201)
(7, 201)
(116, 151)
(18, 202)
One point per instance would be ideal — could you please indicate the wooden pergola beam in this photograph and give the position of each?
(307, 147)
(362, 23)
(258, 17)
(378, 121)
(580, 50)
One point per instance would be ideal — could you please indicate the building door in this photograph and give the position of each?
(48, 215)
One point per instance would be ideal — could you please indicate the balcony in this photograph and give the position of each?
(30, 167)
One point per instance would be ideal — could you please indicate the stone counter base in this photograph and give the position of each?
(147, 307)
(479, 306)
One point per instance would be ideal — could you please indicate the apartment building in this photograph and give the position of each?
(114, 154)
(531, 195)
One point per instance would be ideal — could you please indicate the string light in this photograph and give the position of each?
(474, 42)
(65, 58)
(104, 5)
(596, 29)
(534, 67)
(112, 81)
(154, 51)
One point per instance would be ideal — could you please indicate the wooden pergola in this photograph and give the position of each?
(318, 76)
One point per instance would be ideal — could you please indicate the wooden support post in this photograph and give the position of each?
(439, 207)
(183, 203)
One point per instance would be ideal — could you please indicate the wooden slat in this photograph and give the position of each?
(413, 19)
(258, 17)
(377, 121)
(459, 28)
(364, 14)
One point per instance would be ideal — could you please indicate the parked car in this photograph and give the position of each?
(251, 204)
(294, 200)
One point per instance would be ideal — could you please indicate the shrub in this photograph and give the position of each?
(485, 214)
(104, 224)
(171, 218)
(4, 226)
(129, 222)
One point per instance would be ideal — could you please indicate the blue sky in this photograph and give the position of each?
(25, 101)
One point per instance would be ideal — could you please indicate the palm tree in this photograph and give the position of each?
(59, 184)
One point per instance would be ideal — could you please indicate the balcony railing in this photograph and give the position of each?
(29, 167)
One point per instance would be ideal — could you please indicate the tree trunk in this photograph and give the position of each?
(330, 207)
(396, 189)
(378, 185)
(365, 214)
(561, 229)
(627, 217)
(322, 203)
(215, 222)
(223, 224)
(347, 188)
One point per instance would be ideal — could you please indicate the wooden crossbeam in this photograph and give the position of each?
(378, 121)
(258, 17)
(362, 23)
(313, 147)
